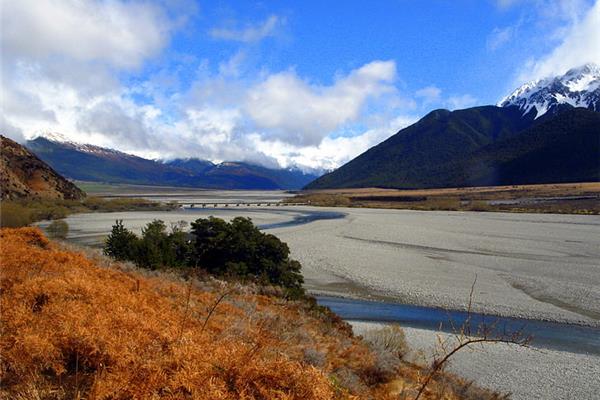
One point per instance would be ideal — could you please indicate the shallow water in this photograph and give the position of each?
(566, 337)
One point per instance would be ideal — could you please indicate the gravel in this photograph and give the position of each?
(539, 266)
(527, 373)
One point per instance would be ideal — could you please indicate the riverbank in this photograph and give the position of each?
(543, 334)
(22, 212)
(527, 373)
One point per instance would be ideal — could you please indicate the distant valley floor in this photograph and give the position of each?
(560, 198)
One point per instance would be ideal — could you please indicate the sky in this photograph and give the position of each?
(307, 84)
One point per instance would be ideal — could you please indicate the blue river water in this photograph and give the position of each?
(552, 335)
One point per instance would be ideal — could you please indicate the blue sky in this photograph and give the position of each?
(282, 83)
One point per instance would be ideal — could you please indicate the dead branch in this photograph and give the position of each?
(486, 333)
(214, 307)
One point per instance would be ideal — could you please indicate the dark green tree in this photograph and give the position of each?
(121, 244)
(154, 249)
(240, 249)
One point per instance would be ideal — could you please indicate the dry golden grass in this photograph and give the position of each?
(72, 329)
(579, 198)
(541, 189)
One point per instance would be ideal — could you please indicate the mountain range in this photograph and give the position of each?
(546, 131)
(98, 164)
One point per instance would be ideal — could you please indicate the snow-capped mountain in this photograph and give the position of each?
(82, 147)
(87, 162)
(579, 87)
(65, 142)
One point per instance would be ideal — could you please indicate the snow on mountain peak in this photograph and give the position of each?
(52, 136)
(578, 87)
(64, 140)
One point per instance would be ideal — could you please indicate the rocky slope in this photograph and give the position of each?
(23, 175)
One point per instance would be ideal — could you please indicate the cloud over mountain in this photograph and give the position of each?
(167, 79)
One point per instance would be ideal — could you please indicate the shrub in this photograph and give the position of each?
(14, 215)
(388, 344)
(389, 338)
(236, 249)
(58, 229)
(157, 248)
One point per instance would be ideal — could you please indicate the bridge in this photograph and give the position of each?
(239, 204)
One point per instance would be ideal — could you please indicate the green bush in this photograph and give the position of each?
(240, 249)
(58, 229)
(237, 249)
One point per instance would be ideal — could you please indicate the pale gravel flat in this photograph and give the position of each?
(539, 266)
(526, 373)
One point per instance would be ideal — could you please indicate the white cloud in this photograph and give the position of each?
(429, 94)
(62, 76)
(295, 111)
(250, 33)
(331, 152)
(432, 95)
(60, 58)
(122, 34)
(500, 36)
(460, 102)
(580, 45)
(11, 131)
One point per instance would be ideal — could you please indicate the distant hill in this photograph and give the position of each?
(537, 136)
(98, 164)
(23, 175)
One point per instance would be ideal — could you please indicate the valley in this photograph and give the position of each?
(546, 271)
(279, 200)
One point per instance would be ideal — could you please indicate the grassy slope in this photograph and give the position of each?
(76, 327)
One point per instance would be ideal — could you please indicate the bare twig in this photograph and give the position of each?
(465, 338)
(185, 311)
(214, 306)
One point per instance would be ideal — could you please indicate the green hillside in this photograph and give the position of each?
(476, 146)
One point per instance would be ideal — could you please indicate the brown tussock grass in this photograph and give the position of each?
(561, 198)
(74, 328)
